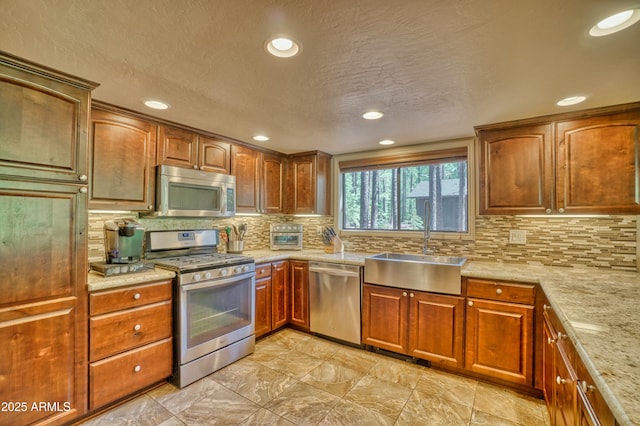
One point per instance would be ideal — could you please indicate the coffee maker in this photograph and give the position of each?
(123, 241)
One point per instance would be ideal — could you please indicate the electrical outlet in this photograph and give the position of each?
(517, 236)
(318, 230)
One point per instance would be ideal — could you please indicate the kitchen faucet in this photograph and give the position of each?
(427, 230)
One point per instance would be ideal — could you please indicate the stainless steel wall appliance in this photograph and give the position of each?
(185, 192)
(214, 301)
(123, 241)
(335, 300)
(285, 236)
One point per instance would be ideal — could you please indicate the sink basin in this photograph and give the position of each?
(438, 274)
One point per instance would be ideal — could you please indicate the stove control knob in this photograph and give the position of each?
(197, 277)
(224, 272)
(237, 269)
(207, 275)
(245, 268)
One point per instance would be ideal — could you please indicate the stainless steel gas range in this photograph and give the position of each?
(214, 301)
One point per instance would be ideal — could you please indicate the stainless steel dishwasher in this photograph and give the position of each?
(335, 300)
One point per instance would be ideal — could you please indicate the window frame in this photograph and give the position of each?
(402, 157)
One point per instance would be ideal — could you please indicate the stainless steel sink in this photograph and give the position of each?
(439, 274)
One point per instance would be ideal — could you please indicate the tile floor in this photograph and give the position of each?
(297, 379)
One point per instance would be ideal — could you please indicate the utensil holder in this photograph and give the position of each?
(336, 246)
(235, 246)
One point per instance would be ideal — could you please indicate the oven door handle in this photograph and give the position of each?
(217, 282)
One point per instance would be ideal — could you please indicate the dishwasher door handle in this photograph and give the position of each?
(335, 272)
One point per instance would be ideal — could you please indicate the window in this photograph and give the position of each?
(392, 193)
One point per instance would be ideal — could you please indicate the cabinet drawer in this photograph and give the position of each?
(500, 291)
(126, 373)
(129, 297)
(593, 396)
(263, 270)
(113, 333)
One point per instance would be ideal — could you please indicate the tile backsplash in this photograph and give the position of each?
(604, 242)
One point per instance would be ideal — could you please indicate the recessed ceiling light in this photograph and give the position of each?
(615, 23)
(283, 47)
(387, 142)
(372, 115)
(155, 104)
(260, 138)
(571, 100)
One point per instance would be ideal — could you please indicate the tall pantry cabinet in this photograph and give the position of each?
(44, 117)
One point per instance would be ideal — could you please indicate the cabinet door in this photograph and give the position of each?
(565, 391)
(437, 328)
(44, 124)
(303, 172)
(279, 294)
(245, 166)
(214, 155)
(597, 164)
(516, 170)
(548, 365)
(43, 307)
(499, 340)
(384, 317)
(177, 147)
(263, 306)
(123, 151)
(272, 183)
(299, 294)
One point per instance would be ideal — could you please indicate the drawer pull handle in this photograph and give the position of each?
(499, 291)
(137, 296)
(137, 327)
(137, 369)
(560, 380)
(470, 303)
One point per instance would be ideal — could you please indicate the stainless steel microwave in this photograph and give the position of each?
(182, 192)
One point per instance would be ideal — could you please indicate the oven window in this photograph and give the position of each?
(194, 197)
(284, 240)
(218, 310)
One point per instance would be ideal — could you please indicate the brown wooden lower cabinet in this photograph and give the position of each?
(571, 396)
(423, 325)
(130, 340)
(272, 296)
(499, 330)
(299, 297)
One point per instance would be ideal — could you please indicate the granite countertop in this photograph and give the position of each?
(597, 307)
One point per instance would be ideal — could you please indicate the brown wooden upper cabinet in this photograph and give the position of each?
(183, 148)
(309, 181)
(259, 180)
(123, 151)
(585, 162)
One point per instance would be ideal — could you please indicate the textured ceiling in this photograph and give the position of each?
(435, 68)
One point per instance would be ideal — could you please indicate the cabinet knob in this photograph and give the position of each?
(560, 336)
(470, 303)
(546, 307)
(195, 167)
(586, 388)
(560, 210)
(82, 178)
(548, 211)
(560, 380)
(499, 291)
(411, 295)
(83, 190)
(137, 296)
(137, 327)
(550, 341)
(149, 207)
(404, 294)
(137, 368)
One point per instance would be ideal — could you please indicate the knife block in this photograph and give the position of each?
(336, 246)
